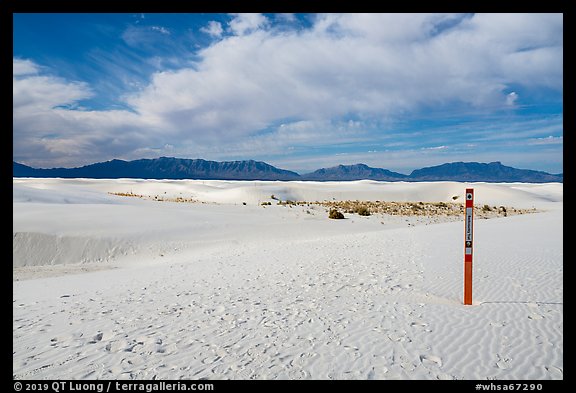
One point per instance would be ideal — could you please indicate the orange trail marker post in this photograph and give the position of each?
(468, 245)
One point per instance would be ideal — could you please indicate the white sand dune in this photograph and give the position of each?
(223, 290)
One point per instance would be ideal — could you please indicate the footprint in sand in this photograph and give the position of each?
(399, 336)
(96, 338)
(555, 372)
(431, 360)
(421, 325)
(503, 362)
(116, 346)
(210, 359)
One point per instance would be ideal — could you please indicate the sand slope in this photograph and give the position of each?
(237, 292)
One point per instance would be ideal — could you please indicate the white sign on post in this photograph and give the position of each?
(468, 236)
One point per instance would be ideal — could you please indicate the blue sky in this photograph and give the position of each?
(299, 91)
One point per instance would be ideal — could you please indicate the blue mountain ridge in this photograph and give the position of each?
(181, 168)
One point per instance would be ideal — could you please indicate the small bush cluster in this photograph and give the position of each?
(335, 214)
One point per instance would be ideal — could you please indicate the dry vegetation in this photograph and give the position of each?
(335, 214)
(420, 208)
(158, 198)
(367, 208)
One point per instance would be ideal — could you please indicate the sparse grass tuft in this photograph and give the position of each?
(362, 211)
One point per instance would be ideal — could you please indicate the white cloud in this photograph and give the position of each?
(373, 67)
(242, 24)
(286, 17)
(249, 82)
(511, 98)
(37, 93)
(214, 29)
(22, 67)
(161, 30)
(548, 140)
(50, 126)
(145, 36)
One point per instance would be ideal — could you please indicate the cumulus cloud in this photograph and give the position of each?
(243, 87)
(246, 83)
(22, 67)
(50, 126)
(213, 29)
(245, 23)
(39, 93)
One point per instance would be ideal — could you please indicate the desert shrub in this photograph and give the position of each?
(455, 197)
(335, 214)
(273, 197)
(486, 208)
(362, 211)
(266, 203)
(244, 203)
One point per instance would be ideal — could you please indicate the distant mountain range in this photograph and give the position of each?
(354, 172)
(180, 168)
(165, 168)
